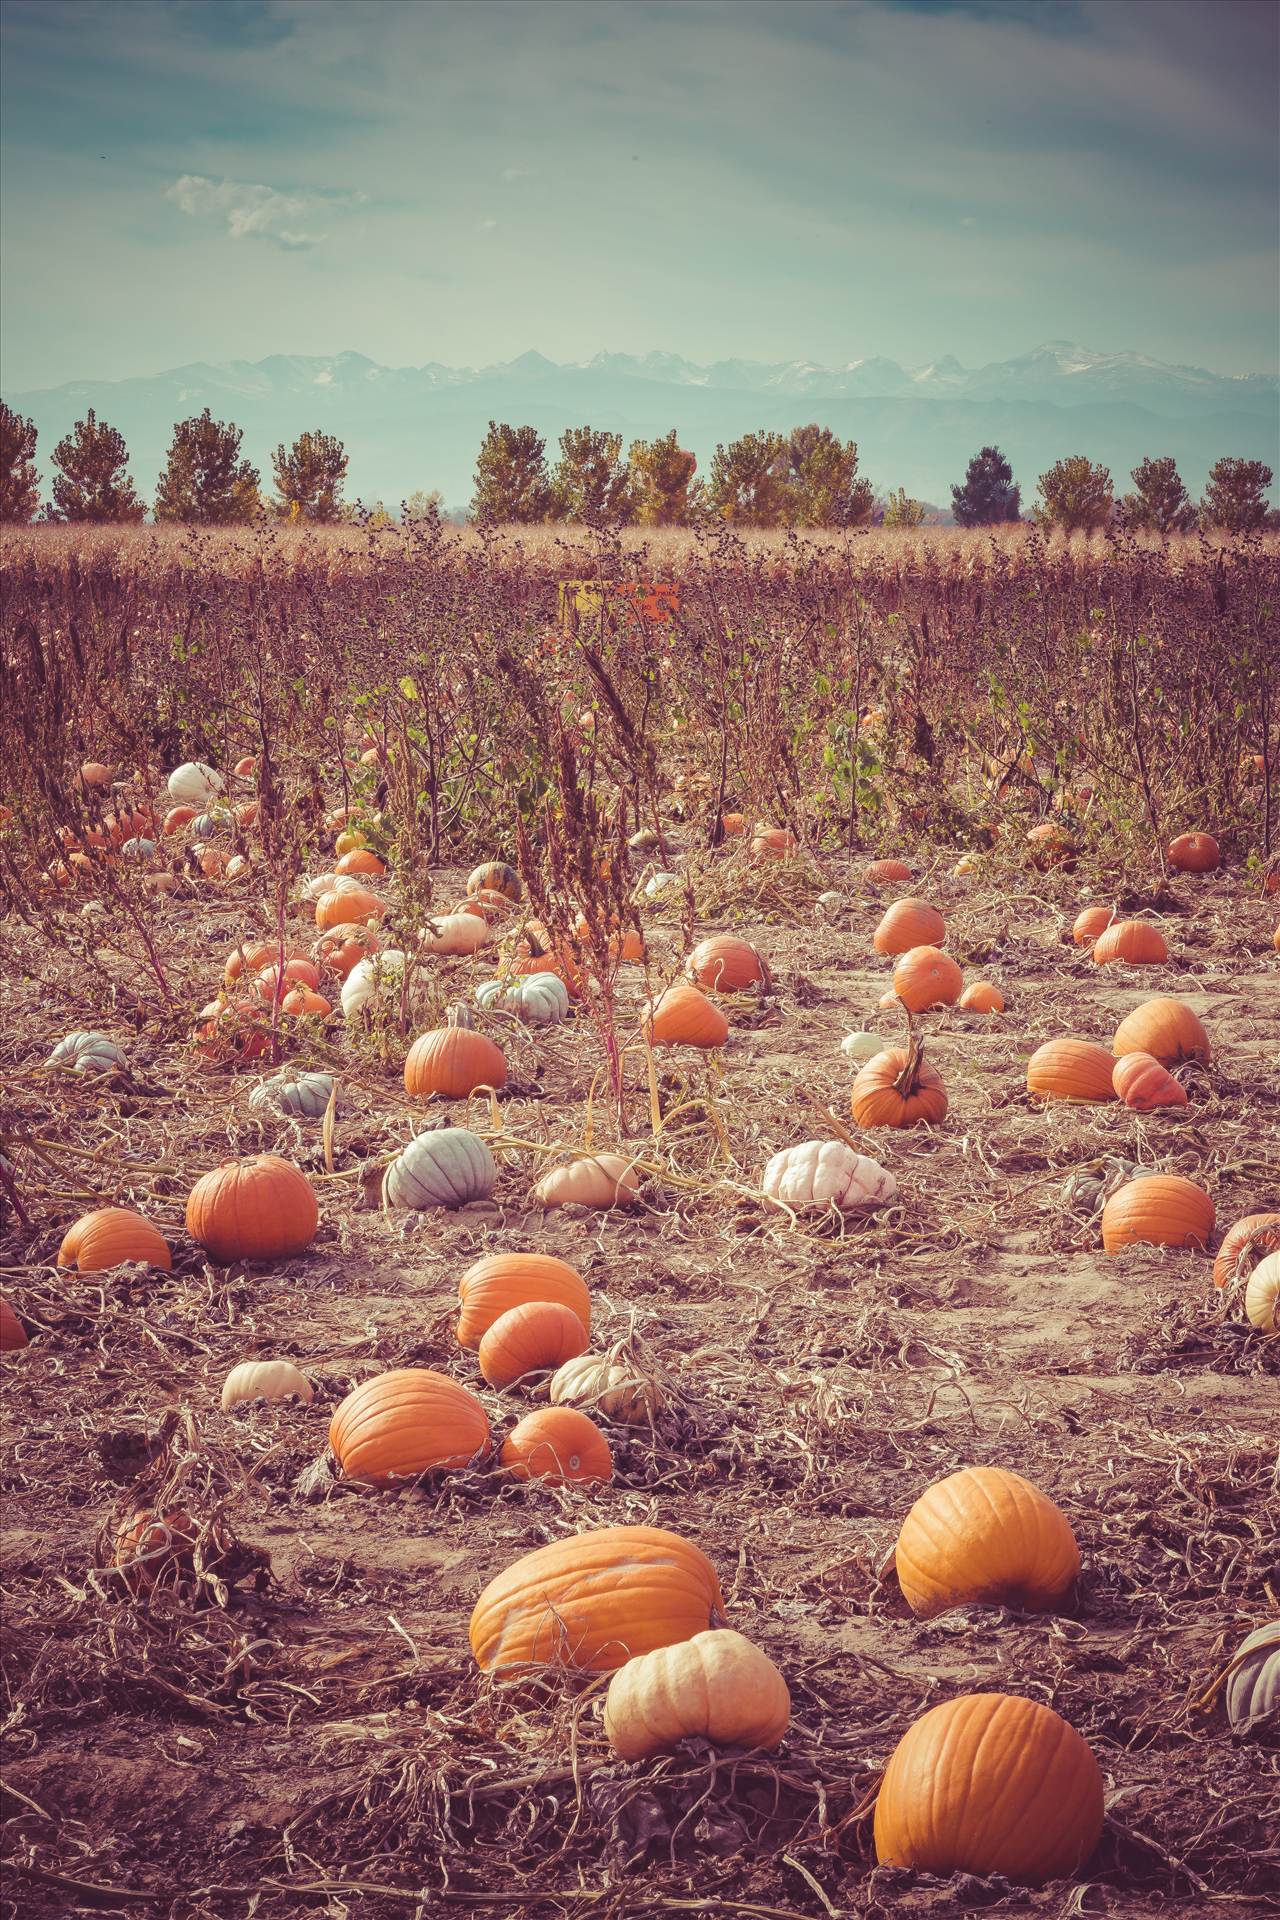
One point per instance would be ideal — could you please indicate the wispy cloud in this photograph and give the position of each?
(487, 226)
(251, 211)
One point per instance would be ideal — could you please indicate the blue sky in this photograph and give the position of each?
(818, 179)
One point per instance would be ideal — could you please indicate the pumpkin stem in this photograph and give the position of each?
(908, 1080)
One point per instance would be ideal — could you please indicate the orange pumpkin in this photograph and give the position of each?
(683, 1017)
(361, 860)
(108, 1237)
(176, 819)
(773, 843)
(594, 1600)
(344, 947)
(213, 861)
(495, 877)
(1051, 847)
(881, 873)
(302, 1003)
(351, 904)
(985, 1535)
(259, 1208)
(1135, 942)
(1194, 853)
(982, 997)
(899, 1088)
(94, 774)
(907, 924)
(926, 977)
(1071, 1070)
(297, 973)
(724, 964)
(153, 1548)
(1243, 1245)
(733, 824)
(1157, 1210)
(453, 1062)
(560, 1445)
(534, 1337)
(251, 956)
(501, 1281)
(1090, 923)
(404, 1423)
(245, 768)
(1165, 1028)
(990, 1783)
(1143, 1084)
(231, 1030)
(13, 1335)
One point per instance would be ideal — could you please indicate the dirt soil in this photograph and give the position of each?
(309, 1732)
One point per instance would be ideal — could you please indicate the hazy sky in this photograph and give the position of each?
(822, 179)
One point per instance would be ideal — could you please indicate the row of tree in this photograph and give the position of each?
(808, 478)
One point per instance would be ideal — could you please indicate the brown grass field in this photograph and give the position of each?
(297, 1726)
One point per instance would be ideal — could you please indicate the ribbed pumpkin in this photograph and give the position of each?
(683, 1017)
(597, 1180)
(596, 1600)
(1262, 1295)
(1071, 1070)
(716, 1686)
(985, 1535)
(899, 1088)
(453, 1061)
(907, 924)
(1194, 853)
(251, 956)
(1143, 1084)
(495, 877)
(269, 1380)
(108, 1237)
(1243, 1245)
(297, 973)
(1164, 1028)
(361, 860)
(982, 997)
(882, 873)
(501, 1281)
(724, 964)
(559, 1445)
(1135, 943)
(1090, 924)
(1159, 1210)
(990, 1783)
(406, 1422)
(347, 904)
(456, 933)
(534, 1337)
(344, 947)
(259, 1208)
(926, 977)
(13, 1335)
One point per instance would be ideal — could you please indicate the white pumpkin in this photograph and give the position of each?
(193, 784)
(143, 851)
(446, 1168)
(264, 1380)
(1253, 1690)
(320, 884)
(604, 1383)
(659, 884)
(827, 1173)
(1262, 1295)
(862, 1046)
(303, 1096)
(539, 999)
(457, 933)
(88, 1052)
(377, 977)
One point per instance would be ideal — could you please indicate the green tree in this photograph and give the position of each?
(1159, 500)
(988, 497)
(19, 487)
(1235, 498)
(1075, 495)
(662, 482)
(592, 481)
(823, 485)
(92, 481)
(309, 477)
(900, 510)
(512, 483)
(749, 480)
(205, 483)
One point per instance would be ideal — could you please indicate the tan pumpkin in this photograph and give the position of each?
(683, 1017)
(503, 1281)
(595, 1600)
(1262, 1295)
(404, 1423)
(1143, 1084)
(1194, 853)
(982, 997)
(990, 1784)
(258, 1208)
(1164, 1028)
(1243, 1245)
(926, 977)
(907, 924)
(558, 1445)
(986, 1536)
(452, 1062)
(269, 1380)
(599, 1180)
(723, 964)
(1158, 1210)
(716, 1686)
(1136, 943)
(110, 1236)
(612, 1383)
(534, 1337)
(1071, 1070)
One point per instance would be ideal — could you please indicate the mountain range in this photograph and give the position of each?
(411, 428)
